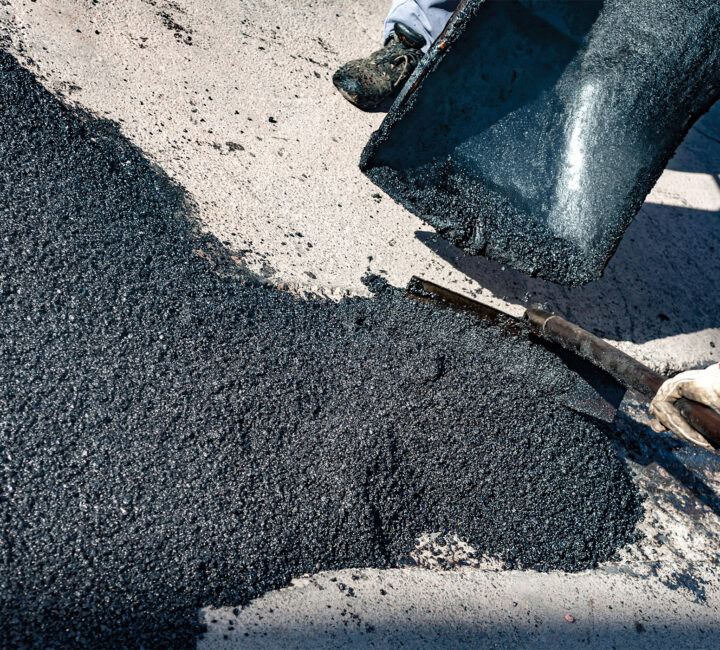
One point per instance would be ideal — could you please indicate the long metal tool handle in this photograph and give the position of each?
(625, 369)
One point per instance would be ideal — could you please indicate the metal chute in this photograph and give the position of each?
(533, 130)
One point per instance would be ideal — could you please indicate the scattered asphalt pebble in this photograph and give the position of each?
(175, 435)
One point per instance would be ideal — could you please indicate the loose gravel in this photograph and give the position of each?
(173, 435)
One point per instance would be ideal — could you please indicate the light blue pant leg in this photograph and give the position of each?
(426, 17)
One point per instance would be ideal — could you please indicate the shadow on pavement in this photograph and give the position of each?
(682, 461)
(535, 631)
(700, 151)
(662, 281)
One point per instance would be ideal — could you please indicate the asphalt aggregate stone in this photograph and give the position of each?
(174, 434)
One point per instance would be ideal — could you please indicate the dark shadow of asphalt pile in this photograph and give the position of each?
(172, 436)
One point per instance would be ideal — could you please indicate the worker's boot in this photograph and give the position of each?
(371, 81)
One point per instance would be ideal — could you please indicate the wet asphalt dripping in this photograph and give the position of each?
(173, 436)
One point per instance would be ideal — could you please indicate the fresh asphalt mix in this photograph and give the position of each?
(174, 434)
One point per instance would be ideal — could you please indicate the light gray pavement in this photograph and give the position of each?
(195, 85)
(464, 609)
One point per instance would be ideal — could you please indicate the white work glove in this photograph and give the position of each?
(699, 385)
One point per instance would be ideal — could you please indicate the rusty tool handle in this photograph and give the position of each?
(628, 371)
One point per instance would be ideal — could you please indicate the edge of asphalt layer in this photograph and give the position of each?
(173, 435)
(544, 166)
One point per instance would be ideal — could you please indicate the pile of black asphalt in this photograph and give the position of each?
(174, 435)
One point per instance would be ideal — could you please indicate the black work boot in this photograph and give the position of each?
(369, 82)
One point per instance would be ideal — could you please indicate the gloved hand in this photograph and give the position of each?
(699, 385)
